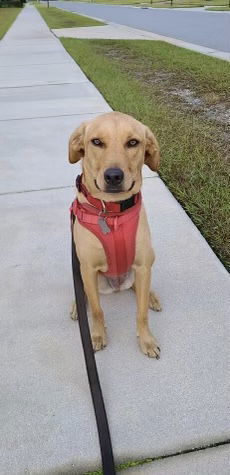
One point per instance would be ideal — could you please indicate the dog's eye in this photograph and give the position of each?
(132, 143)
(97, 142)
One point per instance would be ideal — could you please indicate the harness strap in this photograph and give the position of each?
(94, 382)
(87, 214)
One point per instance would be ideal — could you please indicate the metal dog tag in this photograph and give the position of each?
(104, 226)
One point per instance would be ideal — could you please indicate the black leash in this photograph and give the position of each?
(94, 383)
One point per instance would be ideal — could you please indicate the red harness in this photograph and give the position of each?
(114, 224)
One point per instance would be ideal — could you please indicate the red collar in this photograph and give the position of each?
(104, 206)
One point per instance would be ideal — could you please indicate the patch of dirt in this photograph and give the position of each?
(218, 112)
(178, 92)
(187, 96)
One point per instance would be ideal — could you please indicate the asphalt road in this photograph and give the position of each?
(211, 29)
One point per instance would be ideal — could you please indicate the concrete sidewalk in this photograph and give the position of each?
(155, 408)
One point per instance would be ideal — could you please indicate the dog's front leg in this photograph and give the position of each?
(148, 343)
(90, 281)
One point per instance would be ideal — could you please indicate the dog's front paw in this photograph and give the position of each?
(154, 302)
(99, 340)
(73, 311)
(149, 345)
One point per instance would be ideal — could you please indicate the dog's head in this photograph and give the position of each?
(113, 147)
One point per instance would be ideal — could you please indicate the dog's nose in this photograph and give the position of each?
(113, 176)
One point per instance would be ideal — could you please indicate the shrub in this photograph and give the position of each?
(11, 3)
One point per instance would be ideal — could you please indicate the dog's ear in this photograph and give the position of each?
(152, 151)
(76, 144)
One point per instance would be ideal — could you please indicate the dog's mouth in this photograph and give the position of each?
(114, 189)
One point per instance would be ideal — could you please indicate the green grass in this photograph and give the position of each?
(56, 18)
(135, 78)
(195, 3)
(187, 3)
(219, 9)
(126, 465)
(120, 2)
(168, 5)
(7, 17)
(160, 4)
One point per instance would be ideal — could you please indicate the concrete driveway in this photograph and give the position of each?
(155, 408)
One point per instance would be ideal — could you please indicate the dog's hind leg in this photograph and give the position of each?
(73, 310)
(154, 302)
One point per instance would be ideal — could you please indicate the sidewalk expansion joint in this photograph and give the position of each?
(52, 188)
(30, 64)
(45, 84)
(191, 450)
(143, 463)
(53, 116)
(35, 190)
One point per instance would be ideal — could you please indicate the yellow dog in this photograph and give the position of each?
(113, 148)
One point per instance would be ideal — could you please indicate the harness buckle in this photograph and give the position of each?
(103, 207)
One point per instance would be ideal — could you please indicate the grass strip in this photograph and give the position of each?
(168, 5)
(194, 151)
(56, 18)
(124, 2)
(195, 3)
(218, 9)
(149, 3)
(190, 3)
(120, 2)
(7, 17)
(204, 74)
